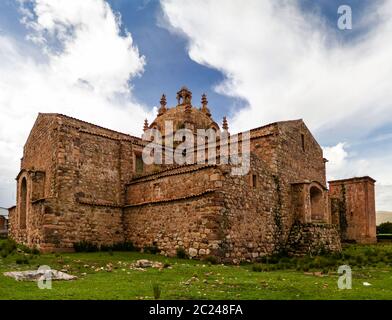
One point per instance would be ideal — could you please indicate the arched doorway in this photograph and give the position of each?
(317, 206)
(23, 204)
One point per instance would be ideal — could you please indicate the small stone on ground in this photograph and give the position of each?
(35, 275)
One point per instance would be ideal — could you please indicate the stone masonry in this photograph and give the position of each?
(352, 207)
(81, 182)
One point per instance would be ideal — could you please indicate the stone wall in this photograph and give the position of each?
(264, 144)
(75, 174)
(191, 224)
(206, 211)
(12, 221)
(92, 223)
(253, 217)
(299, 160)
(177, 208)
(38, 176)
(40, 154)
(82, 185)
(93, 165)
(2, 222)
(172, 184)
(353, 208)
(36, 180)
(3, 226)
(313, 239)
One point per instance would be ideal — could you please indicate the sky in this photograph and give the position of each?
(259, 61)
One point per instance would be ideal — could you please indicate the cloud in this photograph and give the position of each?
(343, 164)
(337, 159)
(78, 62)
(290, 64)
(384, 197)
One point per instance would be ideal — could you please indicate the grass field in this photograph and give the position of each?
(107, 275)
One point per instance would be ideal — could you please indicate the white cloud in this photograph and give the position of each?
(343, 164)
(289, 64)
(384, 197)
(336, 156)
(83, 69)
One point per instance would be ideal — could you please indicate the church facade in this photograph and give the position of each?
(82, 182)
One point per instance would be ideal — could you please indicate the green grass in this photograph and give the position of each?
(189, 279)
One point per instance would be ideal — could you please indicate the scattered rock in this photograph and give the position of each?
(316, 274)
(193, 279)
(143, 264)
(36, 275)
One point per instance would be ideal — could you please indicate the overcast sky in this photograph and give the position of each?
(259, 61)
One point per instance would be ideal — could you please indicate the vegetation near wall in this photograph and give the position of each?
(384, 228)
(113, 275)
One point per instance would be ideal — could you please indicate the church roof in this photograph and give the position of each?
(184, 114)
(82, 122)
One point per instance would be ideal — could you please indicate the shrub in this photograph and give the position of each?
(124, 246)
(181, 253)
(257, 268)
(24, 248)
(353, 255)
(157, 291)
(85, 246)
(305, 267)
(35, 251)
(8, 247)
(211, 259)
(3, 254)
(22, 260)
(120, 246)
(385, 228)
(151, 249)
(384, 237)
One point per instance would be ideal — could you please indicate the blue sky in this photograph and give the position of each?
(257, 63)
(168, 63)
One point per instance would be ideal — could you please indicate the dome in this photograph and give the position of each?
(184, 115)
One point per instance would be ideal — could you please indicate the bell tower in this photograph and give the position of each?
(184, 97)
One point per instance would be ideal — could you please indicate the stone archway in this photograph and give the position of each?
(317, 204)
(23, 204)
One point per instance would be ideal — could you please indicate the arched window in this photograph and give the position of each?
(23, 204)
(317, 206)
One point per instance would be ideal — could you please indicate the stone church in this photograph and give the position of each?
(82, 182)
